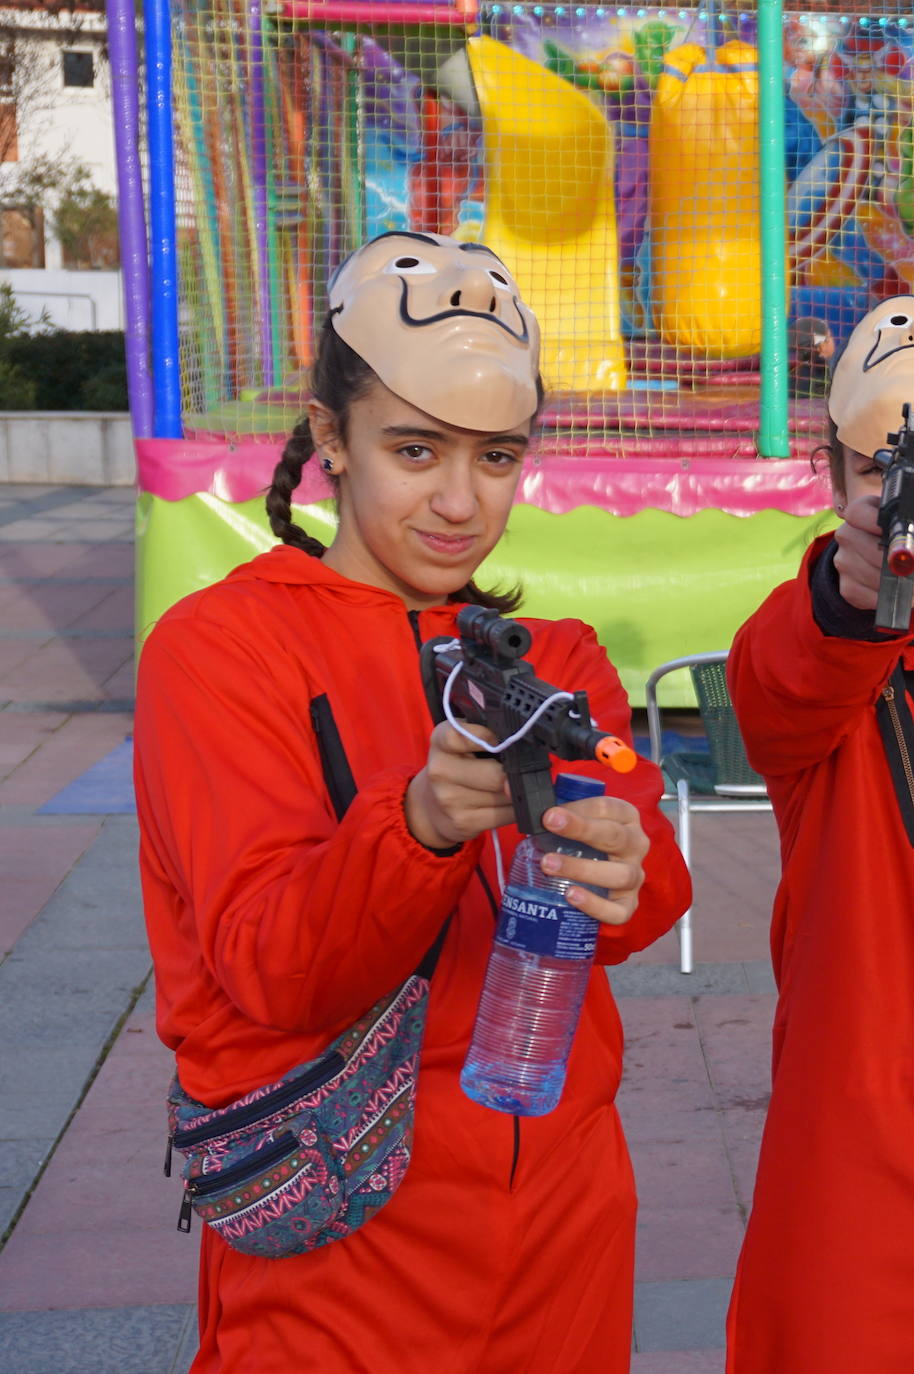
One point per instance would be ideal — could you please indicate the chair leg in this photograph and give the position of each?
(684, 924)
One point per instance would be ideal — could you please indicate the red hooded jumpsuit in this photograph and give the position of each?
(509, 1246)
(826, 1277)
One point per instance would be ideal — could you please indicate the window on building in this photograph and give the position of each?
(7, 72)
(78, 69)
(9, 132)
(21, 237)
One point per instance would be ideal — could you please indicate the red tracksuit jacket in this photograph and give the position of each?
(508, 1247)
(826, 1277)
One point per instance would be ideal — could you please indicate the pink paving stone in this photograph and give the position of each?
(50, 605)
(114, 612)
(115, 559)
(65, 670)
(65, 755)
(41, 560)
(678, 1362)
(687, 1242)
(736, 1038)
(14, 653)
(735, 870)
(121, 685)
(689, 1173)
(100, 1228)
(34, 860)
(21, 735)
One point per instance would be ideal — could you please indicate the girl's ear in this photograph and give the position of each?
(325, 432)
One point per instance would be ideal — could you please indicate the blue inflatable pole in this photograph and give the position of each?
(162, 228)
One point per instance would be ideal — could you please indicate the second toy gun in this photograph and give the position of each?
(483, 679)
(896, 520)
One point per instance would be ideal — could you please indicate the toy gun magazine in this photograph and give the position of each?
(483, 679)
(896, 520)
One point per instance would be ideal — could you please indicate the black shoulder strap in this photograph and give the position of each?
(897, 730)
(342, 789)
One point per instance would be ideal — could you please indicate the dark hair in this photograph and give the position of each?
(340, 376)
(833, 450)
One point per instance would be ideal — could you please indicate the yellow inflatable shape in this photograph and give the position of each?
(550, 212)
(705, 234)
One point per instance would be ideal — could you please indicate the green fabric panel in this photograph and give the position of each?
(654, 586)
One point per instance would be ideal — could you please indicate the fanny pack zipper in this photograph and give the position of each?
(245, 1169)
(273, 1101)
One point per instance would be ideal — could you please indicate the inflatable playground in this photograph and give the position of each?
(698, 203)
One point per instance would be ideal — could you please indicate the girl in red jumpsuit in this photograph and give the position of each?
(825, 1283)
(509, 1245)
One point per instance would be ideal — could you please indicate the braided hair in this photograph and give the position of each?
(340, 376)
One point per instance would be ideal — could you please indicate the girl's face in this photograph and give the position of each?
(421, 503)
(862, 477)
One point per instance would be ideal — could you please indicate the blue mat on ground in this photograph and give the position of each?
(105, 789)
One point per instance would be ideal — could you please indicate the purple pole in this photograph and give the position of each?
(259, 179)
(131, 211)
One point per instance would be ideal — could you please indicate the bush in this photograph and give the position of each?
(17, 391)
(106, 389)
(70, 370)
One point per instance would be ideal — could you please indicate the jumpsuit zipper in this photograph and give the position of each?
(888, 693)
(515, 1155)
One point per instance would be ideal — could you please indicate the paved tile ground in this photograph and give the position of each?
(94, 1278)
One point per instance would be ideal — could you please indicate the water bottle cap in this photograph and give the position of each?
(572, 787)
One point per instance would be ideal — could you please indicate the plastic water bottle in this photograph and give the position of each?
(536, 978)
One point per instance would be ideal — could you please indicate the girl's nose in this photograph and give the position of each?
(471, 289)
(454, 498)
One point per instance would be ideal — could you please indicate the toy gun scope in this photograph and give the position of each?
(896, 520)
(496, 687)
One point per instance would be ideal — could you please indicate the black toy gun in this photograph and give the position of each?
(896, 520)
(484, 679)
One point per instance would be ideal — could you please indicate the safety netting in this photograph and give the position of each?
(610, 156)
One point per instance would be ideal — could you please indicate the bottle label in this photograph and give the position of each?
(539, 922)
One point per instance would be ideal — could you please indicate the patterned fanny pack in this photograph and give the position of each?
(309, 1158)
(312, 1156)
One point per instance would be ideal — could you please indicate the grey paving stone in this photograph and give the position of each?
(665, 980)
(39, 1087)
(18, 1157)
(682, 1314)
(40, 501)
(188, 1347)
(760, 977)
(128, 1340)
(66, 997)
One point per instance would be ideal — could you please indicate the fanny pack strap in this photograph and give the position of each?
(342, 789)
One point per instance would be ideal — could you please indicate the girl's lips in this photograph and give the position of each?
(447, 543)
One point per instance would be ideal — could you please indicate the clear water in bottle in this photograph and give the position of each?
(535, 981)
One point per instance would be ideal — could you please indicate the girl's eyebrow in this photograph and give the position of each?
(413, 432)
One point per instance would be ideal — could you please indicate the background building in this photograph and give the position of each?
(58, 220)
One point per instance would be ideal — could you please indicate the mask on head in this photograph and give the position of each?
(442, 325)
(874, 376)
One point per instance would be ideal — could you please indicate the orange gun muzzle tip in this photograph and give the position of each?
(616, 753)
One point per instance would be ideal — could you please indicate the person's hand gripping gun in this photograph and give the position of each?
(483, 679)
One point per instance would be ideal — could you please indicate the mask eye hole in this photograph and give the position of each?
(900, 321)
(499, 279)
(409, 266)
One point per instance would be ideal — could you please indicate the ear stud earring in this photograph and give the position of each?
(327, 464)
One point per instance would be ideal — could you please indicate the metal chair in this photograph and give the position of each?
(721, 779)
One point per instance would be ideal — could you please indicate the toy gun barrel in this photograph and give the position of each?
(896, 519)
(491, 684)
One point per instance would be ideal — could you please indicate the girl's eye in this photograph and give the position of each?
(499, 458)
(409, 266)
(415, 452)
